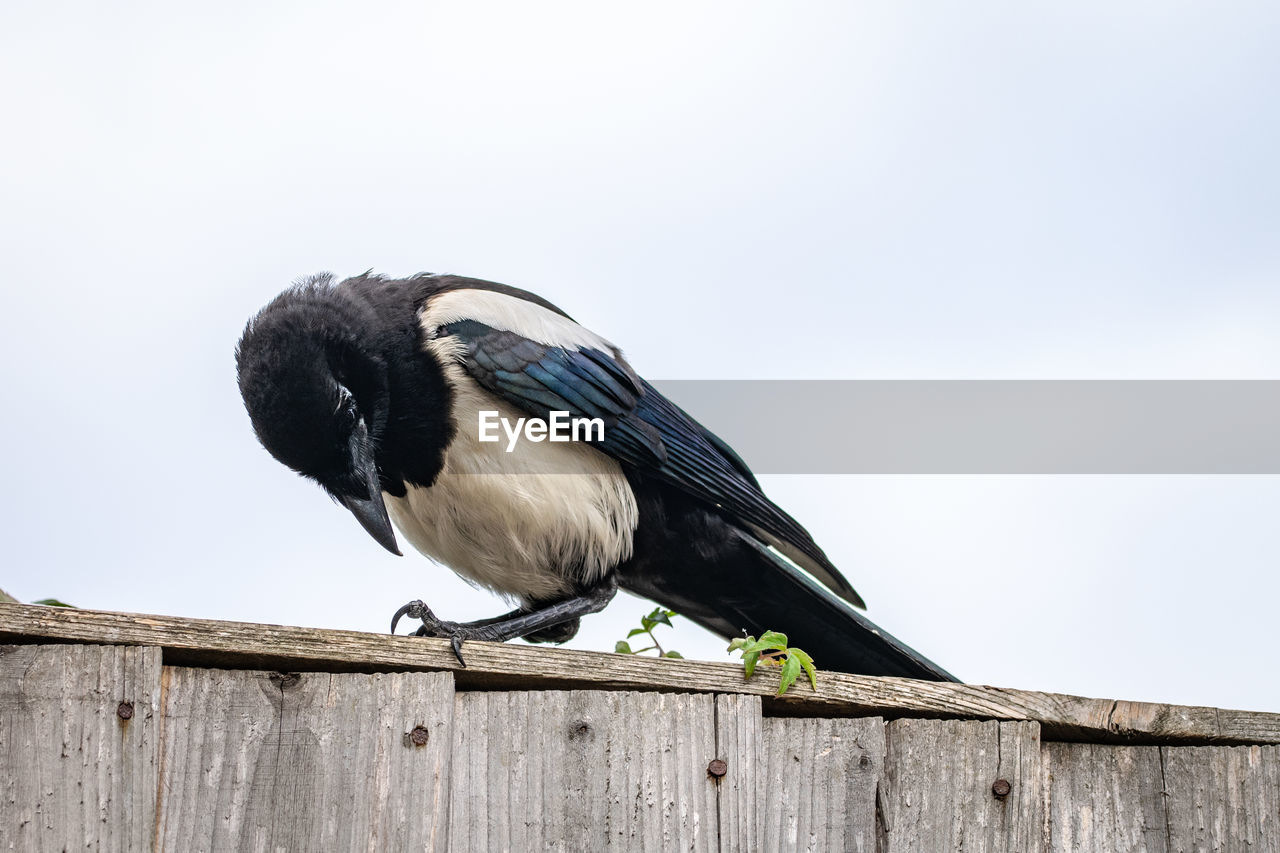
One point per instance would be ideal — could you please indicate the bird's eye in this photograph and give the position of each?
(346, 412)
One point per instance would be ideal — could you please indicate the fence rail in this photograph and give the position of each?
(129, 734)
(239, 645)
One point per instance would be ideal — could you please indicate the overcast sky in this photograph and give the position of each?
(727, 190)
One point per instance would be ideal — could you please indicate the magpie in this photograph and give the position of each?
(377, 388)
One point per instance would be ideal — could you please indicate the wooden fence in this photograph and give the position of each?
(122, 732)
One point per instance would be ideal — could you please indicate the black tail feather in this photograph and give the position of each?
(750, 588)
(818, 621)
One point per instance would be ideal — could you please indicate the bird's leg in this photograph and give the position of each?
(419, 610)
(518, 623)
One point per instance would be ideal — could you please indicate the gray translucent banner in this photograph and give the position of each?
(992, 427)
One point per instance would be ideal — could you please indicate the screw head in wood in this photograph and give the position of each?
(125, 710)
(717, 768)
(1001, 788)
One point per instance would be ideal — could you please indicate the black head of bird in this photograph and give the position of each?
(316, 392)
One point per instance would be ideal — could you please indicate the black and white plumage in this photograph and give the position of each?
(373, 387)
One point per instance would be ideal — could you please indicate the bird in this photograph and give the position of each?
(379, 390)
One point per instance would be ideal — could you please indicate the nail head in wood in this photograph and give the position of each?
(125, 710)
(717, 768)
(1001, 788)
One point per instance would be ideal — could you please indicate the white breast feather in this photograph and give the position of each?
(502, 520)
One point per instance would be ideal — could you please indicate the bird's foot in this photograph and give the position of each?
(434, 626)
(554, 621)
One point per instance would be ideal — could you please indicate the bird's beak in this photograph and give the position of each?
(372, 515)
(371, 512)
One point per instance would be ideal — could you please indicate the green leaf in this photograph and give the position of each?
(740, 642)
(790, 670)
(53, 602)
(806, 663)
(660, 617)
(622, 647)
(775, 639)
(802, 654)
(635, 631)
(765, 644)
(673, 654)
(749, 662)
(647, 623)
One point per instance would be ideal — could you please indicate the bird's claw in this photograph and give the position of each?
(432, 626)
(456, 642)
(414, 610)
(451, 631)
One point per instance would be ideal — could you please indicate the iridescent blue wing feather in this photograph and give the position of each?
(642, 428)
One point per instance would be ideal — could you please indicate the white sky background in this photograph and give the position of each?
(727, 190)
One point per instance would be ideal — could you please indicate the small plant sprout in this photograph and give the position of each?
(772, 648)
(656, 617)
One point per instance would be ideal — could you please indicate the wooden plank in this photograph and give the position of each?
(1223, 798)
(273, 761)
(76, 774)
(1104, 797)
(938, 788)
(512, 666)
(740, 745)
(583, 770)
(821, 776)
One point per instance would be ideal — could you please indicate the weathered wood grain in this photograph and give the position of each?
(512, 666)
(740, 745)
(821, 776)
(74, 774)
(1223, 798)
(583, 770)
(937, 791)
(1104, 797)
(1154, 799)
(268, 761)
